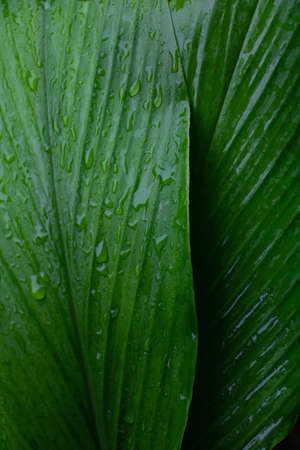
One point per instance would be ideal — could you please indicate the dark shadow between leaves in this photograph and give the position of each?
(292, 441)
(208, 378)
(206, 402)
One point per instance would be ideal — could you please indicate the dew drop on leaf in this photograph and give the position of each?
(130, 121)
(115, 186)
(66, 119)
(81, 221)
(9, 157)
(122, 93)
(162, 306)
(101, 252)
(63, 157)
(158, 96)
(114, 312)
(104, 165)
(133, 224)
(101, 72)
(32, 81)
(89, 158)
(137, 270)
(125, 253)
(108, 202)
(37, 289)
(147, 105)
(74, 133)
(108, 213)
(174, 66)
(152, 34)
(40, 235)
(129, 418)
(147, 346)
(102, 269)
(160, 242)
(135, 88)
(149, 74)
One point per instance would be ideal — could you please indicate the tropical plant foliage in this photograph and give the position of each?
(139, 138)
(245, 217)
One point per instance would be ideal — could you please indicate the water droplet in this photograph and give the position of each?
(129, 418)
(37, 289)
(152, 34)
(66, 120)
(135, 88)
(115, 186)
(160, 242)
(74, 133)
(89, 158)
(149, 73)
(102, 269)
(137, 270)
(114, 312)
(40, 236)
(133, 224)
(46, 4)
(147, 346)
(158, 96)
(174, 66)
(162, 306)
(63, 156)
(9, 157)
(104, 165)
(165, 175)
(32, 81)
(81, 221)
(147, 105)
(69, 166)
(108, 202)
(101, 72)
(125, 253)
(108, 213)
(101, 252)
(149, 154)
(119, 211)
(122, 93)
(130, 121)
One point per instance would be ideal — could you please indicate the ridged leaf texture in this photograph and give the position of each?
(136, 136)
(242, 66)
(98, 333)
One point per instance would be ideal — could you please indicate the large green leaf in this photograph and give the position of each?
(242, 63)
(97, 337)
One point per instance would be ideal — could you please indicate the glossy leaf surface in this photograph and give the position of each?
(97, 338)
(241, 62)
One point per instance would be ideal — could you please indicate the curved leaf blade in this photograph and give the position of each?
(98, 335)
(243, 78)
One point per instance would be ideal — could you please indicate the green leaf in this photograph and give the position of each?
(97, 337)
(241, 62)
